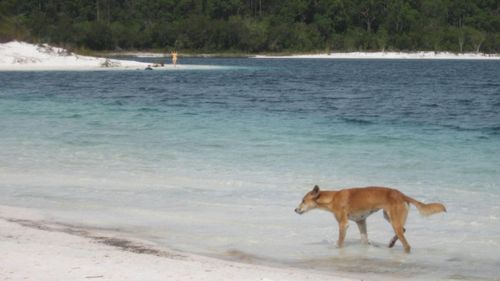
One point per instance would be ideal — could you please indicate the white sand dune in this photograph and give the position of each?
(23, 56)
(34, 249)
(393, 55)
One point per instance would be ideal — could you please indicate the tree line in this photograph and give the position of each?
(253, 26)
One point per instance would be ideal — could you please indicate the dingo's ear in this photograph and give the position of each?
(315, 190)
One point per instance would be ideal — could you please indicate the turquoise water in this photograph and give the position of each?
(214, 161)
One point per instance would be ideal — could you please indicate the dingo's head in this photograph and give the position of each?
(309, 201)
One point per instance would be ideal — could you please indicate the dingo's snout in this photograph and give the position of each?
(309, 201)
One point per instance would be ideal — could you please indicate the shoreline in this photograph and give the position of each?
(313, 55)
(38, 249)
(21, 56)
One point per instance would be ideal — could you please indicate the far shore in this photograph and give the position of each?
(311, 55)
(22, 56)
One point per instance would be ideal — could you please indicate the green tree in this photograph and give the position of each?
(475, 37)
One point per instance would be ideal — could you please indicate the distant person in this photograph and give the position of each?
(174, 57)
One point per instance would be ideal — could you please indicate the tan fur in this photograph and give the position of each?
(357, 204)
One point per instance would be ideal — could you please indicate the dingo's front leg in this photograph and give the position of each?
(343, 224)
(362, 230)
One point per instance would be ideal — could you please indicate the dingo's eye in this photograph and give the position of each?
(303, 201)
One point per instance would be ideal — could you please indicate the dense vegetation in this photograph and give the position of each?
(256, 25)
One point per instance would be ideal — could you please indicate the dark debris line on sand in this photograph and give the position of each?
(121, 243)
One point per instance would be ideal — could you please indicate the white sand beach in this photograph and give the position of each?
(35, 249)
(392, 55)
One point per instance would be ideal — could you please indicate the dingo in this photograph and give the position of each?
(357, 204)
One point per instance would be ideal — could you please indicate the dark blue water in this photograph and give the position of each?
(215, 160)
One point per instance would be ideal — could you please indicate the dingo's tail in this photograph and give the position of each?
(426, 209)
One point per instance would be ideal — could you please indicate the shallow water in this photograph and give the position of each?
(214, 160)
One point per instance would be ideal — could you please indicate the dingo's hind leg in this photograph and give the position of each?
(398, 214)
(394, 239)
